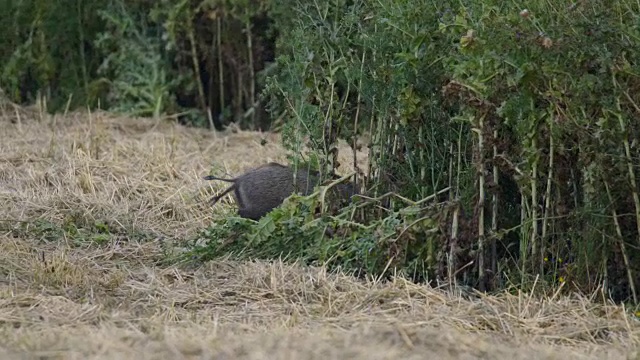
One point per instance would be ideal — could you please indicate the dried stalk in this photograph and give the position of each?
(355, 121)
(494, 210)
(220, 62)
(481, 202)
(196, 67)
(623, 248)
(547, 200)
(534, 208)
(252, 71)
(451, 259)
(524, 239)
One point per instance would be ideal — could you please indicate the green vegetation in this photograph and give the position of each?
(503, 147)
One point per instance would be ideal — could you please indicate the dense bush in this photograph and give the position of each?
(526, 114)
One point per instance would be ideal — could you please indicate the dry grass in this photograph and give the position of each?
(89, 297)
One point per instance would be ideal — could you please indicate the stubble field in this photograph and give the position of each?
(93, 204)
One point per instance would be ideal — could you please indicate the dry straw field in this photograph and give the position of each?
(71, 293)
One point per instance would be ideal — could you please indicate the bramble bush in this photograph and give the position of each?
(521, 119)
